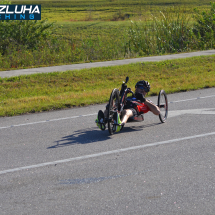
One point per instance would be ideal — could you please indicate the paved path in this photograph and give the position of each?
(11, 73)
(59, 162)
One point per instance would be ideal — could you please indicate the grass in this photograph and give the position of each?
(43, 92)
(109, 10)
(81, 42)
(78, 39)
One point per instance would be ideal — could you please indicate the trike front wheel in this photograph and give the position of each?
(113, 107)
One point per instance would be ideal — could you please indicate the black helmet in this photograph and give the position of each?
(143, 85)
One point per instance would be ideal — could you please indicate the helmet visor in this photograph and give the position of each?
(143, 88)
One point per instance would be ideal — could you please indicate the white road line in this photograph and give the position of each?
(105, 153)
(49, 120)
(192, 99)
(52, 120)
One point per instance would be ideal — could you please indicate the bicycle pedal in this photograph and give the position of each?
(117, 124)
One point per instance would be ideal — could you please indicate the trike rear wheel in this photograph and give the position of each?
(163, 105)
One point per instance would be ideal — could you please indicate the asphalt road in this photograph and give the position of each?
(60, 163)
(11, 73)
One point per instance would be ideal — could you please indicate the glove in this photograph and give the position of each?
(140, 97)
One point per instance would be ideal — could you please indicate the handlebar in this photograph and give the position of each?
(130, 91)
(125, 88)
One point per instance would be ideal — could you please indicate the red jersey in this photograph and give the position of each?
(140, 107)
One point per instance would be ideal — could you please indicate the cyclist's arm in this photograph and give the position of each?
(153, 108)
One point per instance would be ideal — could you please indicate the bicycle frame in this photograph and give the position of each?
(123, 98)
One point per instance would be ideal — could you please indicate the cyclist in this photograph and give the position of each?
(135, 106)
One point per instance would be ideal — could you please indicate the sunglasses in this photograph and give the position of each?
(143, 88)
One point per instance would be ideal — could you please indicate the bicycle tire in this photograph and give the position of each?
(163, 105)
(113, 107)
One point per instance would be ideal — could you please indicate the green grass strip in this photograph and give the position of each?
(58, 90)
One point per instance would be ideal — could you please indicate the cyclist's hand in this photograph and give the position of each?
(140, 97)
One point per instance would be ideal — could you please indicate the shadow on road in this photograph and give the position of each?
(92, 135)
(138, 128)
(83, 136)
